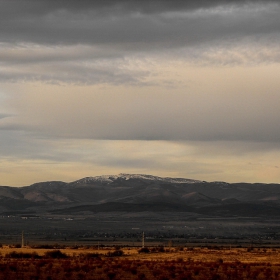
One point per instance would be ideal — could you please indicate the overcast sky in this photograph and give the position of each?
(164, 87)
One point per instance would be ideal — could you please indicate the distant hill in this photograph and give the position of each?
(138, 192)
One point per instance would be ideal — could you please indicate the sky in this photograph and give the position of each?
(170, 88)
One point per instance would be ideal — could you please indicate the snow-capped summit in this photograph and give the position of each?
(111, 178)
(156, 178)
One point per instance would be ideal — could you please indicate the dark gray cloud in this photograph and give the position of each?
(41, 7)
(82, 47)
(71, 73)
(135, 24)
(90, 42)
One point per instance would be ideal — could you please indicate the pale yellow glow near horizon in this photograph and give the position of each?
(162, 159)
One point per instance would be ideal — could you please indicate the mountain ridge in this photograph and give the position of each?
(127, 192)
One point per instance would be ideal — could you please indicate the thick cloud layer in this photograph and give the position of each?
(92, 42)
(135, 24)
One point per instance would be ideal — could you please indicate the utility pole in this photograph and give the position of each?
(143, 240)
(22, 239)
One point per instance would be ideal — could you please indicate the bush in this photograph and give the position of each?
(90, 256)
(43, 246)
(55, 254)
(21, 255)
(144, 250)
(161, 249)
(116, 253)
(48, 246)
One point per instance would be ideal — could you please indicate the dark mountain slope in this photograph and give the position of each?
(124, 207)
(126, 192)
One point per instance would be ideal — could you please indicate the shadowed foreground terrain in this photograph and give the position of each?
(151, 263)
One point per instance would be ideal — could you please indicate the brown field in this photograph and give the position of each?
(128, 263)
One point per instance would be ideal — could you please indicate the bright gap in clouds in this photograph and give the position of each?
(78, 159)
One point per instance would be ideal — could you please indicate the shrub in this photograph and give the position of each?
(55, 254)
(116, 253)
(161, 249)
(21, 255)
(144, 250)
(43, 246)
(90, 256)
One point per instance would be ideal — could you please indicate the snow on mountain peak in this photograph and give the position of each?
(156, 178)
(110, 178)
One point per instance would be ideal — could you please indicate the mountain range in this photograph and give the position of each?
(138, 193)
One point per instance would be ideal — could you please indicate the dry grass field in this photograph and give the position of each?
(128, 263)
(248, 255)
